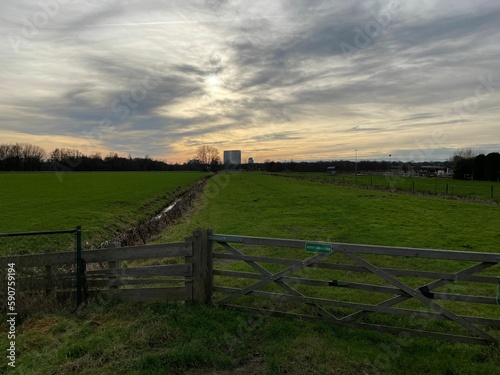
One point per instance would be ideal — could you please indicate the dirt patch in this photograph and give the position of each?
(253, 366)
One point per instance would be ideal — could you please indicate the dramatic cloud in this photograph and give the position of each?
(290, 79)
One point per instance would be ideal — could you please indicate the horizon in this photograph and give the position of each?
(285, 80)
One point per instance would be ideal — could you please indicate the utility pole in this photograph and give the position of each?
(356, 164)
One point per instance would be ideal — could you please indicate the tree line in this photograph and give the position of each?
(466, 163)
(473, 165)
(29, 158)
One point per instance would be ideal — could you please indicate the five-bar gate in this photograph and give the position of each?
(371, 287)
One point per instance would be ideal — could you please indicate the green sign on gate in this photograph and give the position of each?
(321, 248)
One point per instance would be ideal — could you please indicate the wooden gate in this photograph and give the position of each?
(440, 294)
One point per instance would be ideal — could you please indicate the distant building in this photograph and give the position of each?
(331, 170)
(232, 159)
(435, 171)
(250, 164)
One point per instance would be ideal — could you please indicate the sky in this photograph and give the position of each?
(278, 80)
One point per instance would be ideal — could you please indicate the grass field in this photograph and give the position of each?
(161, 338)
(485, 190)
(102, 203)
(261, 205)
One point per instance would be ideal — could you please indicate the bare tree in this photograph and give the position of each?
(21, 156)
(32, 156)
(30, 151)
(208, 156)
(463, 153)
(4, 151)
(62, 154)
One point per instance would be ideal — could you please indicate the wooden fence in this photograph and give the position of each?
(439, 294)
(116, 272)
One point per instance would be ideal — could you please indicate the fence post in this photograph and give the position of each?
(113, 267)
(201, 261)
(79, 267)
(48, 279)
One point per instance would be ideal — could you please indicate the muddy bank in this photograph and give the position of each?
(154, 226)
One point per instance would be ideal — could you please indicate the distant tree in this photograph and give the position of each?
(33, 156)
(208, 157)
(463, 153)
(462, 162)
(464, 169)
(492, 166)
(479, 165)
(21, 157)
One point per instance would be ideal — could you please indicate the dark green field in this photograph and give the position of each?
(102, 203)
(163, 338)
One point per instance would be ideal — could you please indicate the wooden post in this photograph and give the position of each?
(201, 261)
(48, 279)
(114, 279)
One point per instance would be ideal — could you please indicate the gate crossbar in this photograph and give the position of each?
(267, 279)
(417, 294)
(279, 281)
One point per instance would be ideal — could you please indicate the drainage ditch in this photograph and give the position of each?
(155, 225)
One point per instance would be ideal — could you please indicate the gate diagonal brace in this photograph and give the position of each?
(435, 284)
(426, 292)
(282, 284)
(274, 277)
(417, 295)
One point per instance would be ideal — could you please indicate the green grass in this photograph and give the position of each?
(485, 190)
(161, 338)
(102, 203)
(262, 205)
(268, 206)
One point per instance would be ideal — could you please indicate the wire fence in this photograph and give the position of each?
(472, 190)
(40, 271)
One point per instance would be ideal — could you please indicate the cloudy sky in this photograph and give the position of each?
(280, 80)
